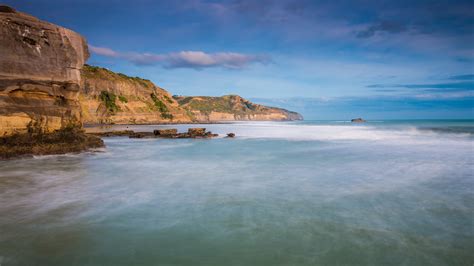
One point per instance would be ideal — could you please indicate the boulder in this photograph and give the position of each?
(358, 120)
(165, 132)
(230, 135)
(196, 131)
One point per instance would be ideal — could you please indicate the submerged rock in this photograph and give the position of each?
(358, 120)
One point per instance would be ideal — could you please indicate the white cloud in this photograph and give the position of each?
(185, 59)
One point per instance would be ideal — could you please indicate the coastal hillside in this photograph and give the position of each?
(114, 98)
(39, 74)
(232, 108)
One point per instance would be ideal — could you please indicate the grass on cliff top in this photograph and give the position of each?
(62, 141)
(100, 72)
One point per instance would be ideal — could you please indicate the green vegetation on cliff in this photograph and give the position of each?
(161, 107)
(108, 98)
(123, 99)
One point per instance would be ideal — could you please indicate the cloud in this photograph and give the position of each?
(382, 27)
(185, 59)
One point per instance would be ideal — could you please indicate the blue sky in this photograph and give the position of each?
(326, 59)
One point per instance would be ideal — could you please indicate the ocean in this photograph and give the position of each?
(280, 193)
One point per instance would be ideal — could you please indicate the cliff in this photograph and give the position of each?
(40, 75)
(232, 108)
(114, 98)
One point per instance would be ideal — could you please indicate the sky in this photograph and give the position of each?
(326, 59)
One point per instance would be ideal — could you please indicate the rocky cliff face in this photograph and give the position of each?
(114, 98)
(232, 108)
(39, 73)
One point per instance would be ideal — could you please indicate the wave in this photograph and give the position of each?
(340, 132)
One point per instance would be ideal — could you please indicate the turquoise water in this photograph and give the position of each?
(293, 193)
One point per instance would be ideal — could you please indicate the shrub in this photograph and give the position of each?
(108, 98)
(123, 99)
(159, 104)
(168, 99)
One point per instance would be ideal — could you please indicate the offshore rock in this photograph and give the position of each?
(165, 132)
(358, 120)
(197, 131)
(40, 76)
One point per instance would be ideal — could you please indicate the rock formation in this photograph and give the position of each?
(232, 108)
(358, 120)
(194, 133)
(114, 98)
(40, 75)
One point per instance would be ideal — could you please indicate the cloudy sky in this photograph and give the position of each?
(326, 59)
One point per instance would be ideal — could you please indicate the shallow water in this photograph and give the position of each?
(296, 193)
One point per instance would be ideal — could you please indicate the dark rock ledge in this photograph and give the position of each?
(196, 133)
(67, 140)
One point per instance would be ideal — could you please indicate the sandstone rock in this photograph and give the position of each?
(165, 132)
(358, 120)
(40, 76)
(197, 131)
(129, 100)
(230, 135)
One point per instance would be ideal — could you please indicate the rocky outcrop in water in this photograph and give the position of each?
(232, 108)
(358, 120)
(40, 74)
(194, 133)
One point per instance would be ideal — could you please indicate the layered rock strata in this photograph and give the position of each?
(40, 74)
